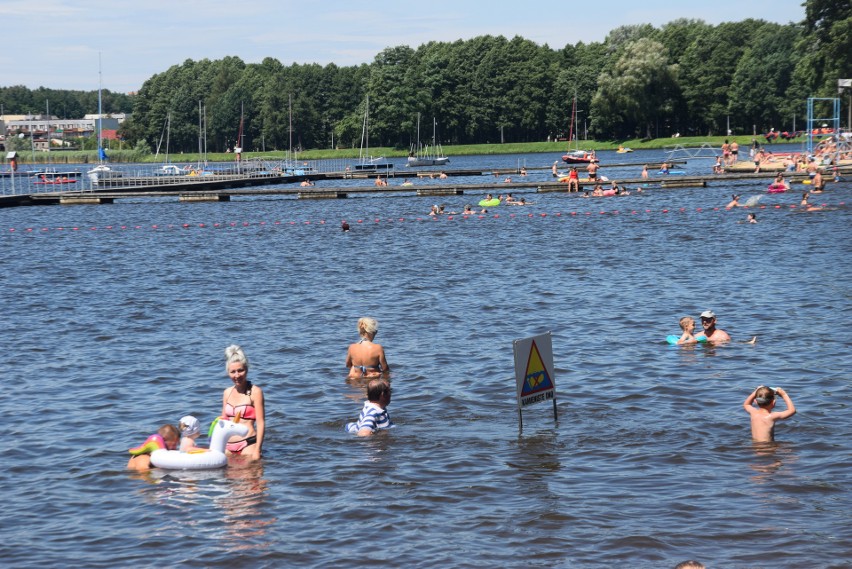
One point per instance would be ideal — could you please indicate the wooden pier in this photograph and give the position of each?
(223, 188)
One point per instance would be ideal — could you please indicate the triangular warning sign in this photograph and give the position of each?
(536, 378)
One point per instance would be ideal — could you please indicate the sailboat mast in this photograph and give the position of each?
(168, 132)
(199, 134)
(100, 112)
(47, 109)
(205, 135)
(365, 135)
(290, 127)
(573, 118)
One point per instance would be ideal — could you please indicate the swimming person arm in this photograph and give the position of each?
(790, 410)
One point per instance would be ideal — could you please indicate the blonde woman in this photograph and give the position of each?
(365, 358)
(246, 400)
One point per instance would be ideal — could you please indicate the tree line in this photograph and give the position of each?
(685, 76)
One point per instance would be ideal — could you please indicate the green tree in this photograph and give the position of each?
(762, 78)
(824, 46)
(707, 74)
(636, 95)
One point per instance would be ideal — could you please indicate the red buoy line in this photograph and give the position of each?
(400, 220)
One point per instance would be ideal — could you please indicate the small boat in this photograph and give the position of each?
(579, 157)
(102, 172)
(622, 150)
(369, 164)
(54, 179)
(170, 170)
(422, 155)
(374, 164)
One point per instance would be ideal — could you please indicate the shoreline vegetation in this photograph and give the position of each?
(555, 148)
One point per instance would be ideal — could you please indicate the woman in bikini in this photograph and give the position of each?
(246, 400)
(364, 358)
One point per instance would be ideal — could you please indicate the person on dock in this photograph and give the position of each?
(592, 169)
(759, 405)
(573, 180)
(714, 335)
(735, 151)
(366, 358)
(374, 415)
(243, 399)
(554, 170)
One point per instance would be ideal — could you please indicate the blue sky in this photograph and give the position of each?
(55, 43)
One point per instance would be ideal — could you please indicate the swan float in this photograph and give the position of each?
(201, 459)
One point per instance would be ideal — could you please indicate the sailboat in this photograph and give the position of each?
(577, 156)
(423, 155)
(291, 166)
(168, 169)
(367, 162)
(101, 172)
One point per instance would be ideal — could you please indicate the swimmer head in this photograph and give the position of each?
(764, 396)
(367, 327)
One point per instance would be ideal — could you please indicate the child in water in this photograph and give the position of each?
(687, 324)
(189, 431)
(762, 417)
(142, 454)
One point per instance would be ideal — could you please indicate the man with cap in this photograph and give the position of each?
(714, 335)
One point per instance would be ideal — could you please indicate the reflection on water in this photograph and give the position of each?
(769, 459)
(245, 505)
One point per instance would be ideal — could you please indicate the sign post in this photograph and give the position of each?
(534, 372)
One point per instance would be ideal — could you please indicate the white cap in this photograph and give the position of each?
(189, 426)
(708, 315)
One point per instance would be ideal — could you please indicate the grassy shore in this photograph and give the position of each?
(457, 150)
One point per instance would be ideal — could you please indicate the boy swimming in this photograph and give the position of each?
(759, 405)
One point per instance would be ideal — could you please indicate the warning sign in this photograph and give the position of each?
(534, 370)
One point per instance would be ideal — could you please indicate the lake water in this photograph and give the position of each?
(117, 318)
